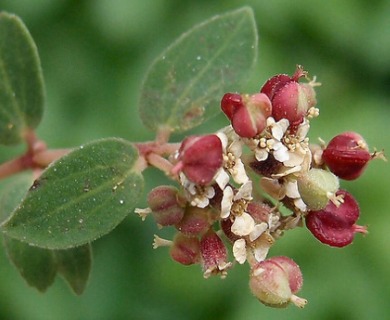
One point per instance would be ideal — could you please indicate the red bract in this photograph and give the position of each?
(247, 113)
(347, 155)
(290, 99)
(275, 281)
(200, 157)
(335, 226)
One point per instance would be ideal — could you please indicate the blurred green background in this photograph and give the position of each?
(94, 55)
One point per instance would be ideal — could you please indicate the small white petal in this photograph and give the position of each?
(284, 123)
(291, 188)
(286, 171)
(236, 148)
(222, 178)
(243, 225)
(261, 154)
(223, 138)
(209, 192)
(281, 154)
(279, 129)
(294, 159)
(300, 204)
(245, 191)
(258, 231)
(261, 251)
(303, 129)
(239, 173)
(239, 251)
(227, 201)
(273, 222)
(200, 202)
(270, 121)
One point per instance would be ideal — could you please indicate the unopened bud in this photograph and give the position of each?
(317, 187)
(196, 221)
(214, 255)
(165, 206)
(275, 281)
(185, 250)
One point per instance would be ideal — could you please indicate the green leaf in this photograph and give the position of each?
(13, 191)
(21, 81)
(36, 265)
(79, 198)
(75, 266)
(39, 266)
(186, 82)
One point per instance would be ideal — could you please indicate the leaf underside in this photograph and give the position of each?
(184, 85)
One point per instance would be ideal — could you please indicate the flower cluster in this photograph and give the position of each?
(218, 201)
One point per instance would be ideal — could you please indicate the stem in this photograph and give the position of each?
(163, 134)
(44, 158)
(159, 162)
(11, 167)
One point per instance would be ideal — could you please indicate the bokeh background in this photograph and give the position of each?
(94, 55)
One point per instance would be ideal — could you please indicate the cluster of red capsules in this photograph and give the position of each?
(215, 203)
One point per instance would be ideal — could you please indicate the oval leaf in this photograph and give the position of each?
(186, 82)
(21, 81)
(75, 266)
(79, 198)
(13, 191)
(36, 265)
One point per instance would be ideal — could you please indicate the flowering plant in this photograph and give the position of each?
(227, 187)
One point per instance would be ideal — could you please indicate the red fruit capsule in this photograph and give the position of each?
(247, 113)
(335, 226)
(200, 157)
(290, 99)
(347, 155)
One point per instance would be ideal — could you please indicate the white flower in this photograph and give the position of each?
(228, 198)
(232, 151)
(198, 196)
(272, 141)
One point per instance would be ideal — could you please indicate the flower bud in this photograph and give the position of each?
(196, 221)
(185, 250)
(335, 225)
(347, 155)
(200, 157)
(290, 99)
(317, 187)
(165, 206)
(247, 113)
(214, 255)
(275, 281)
